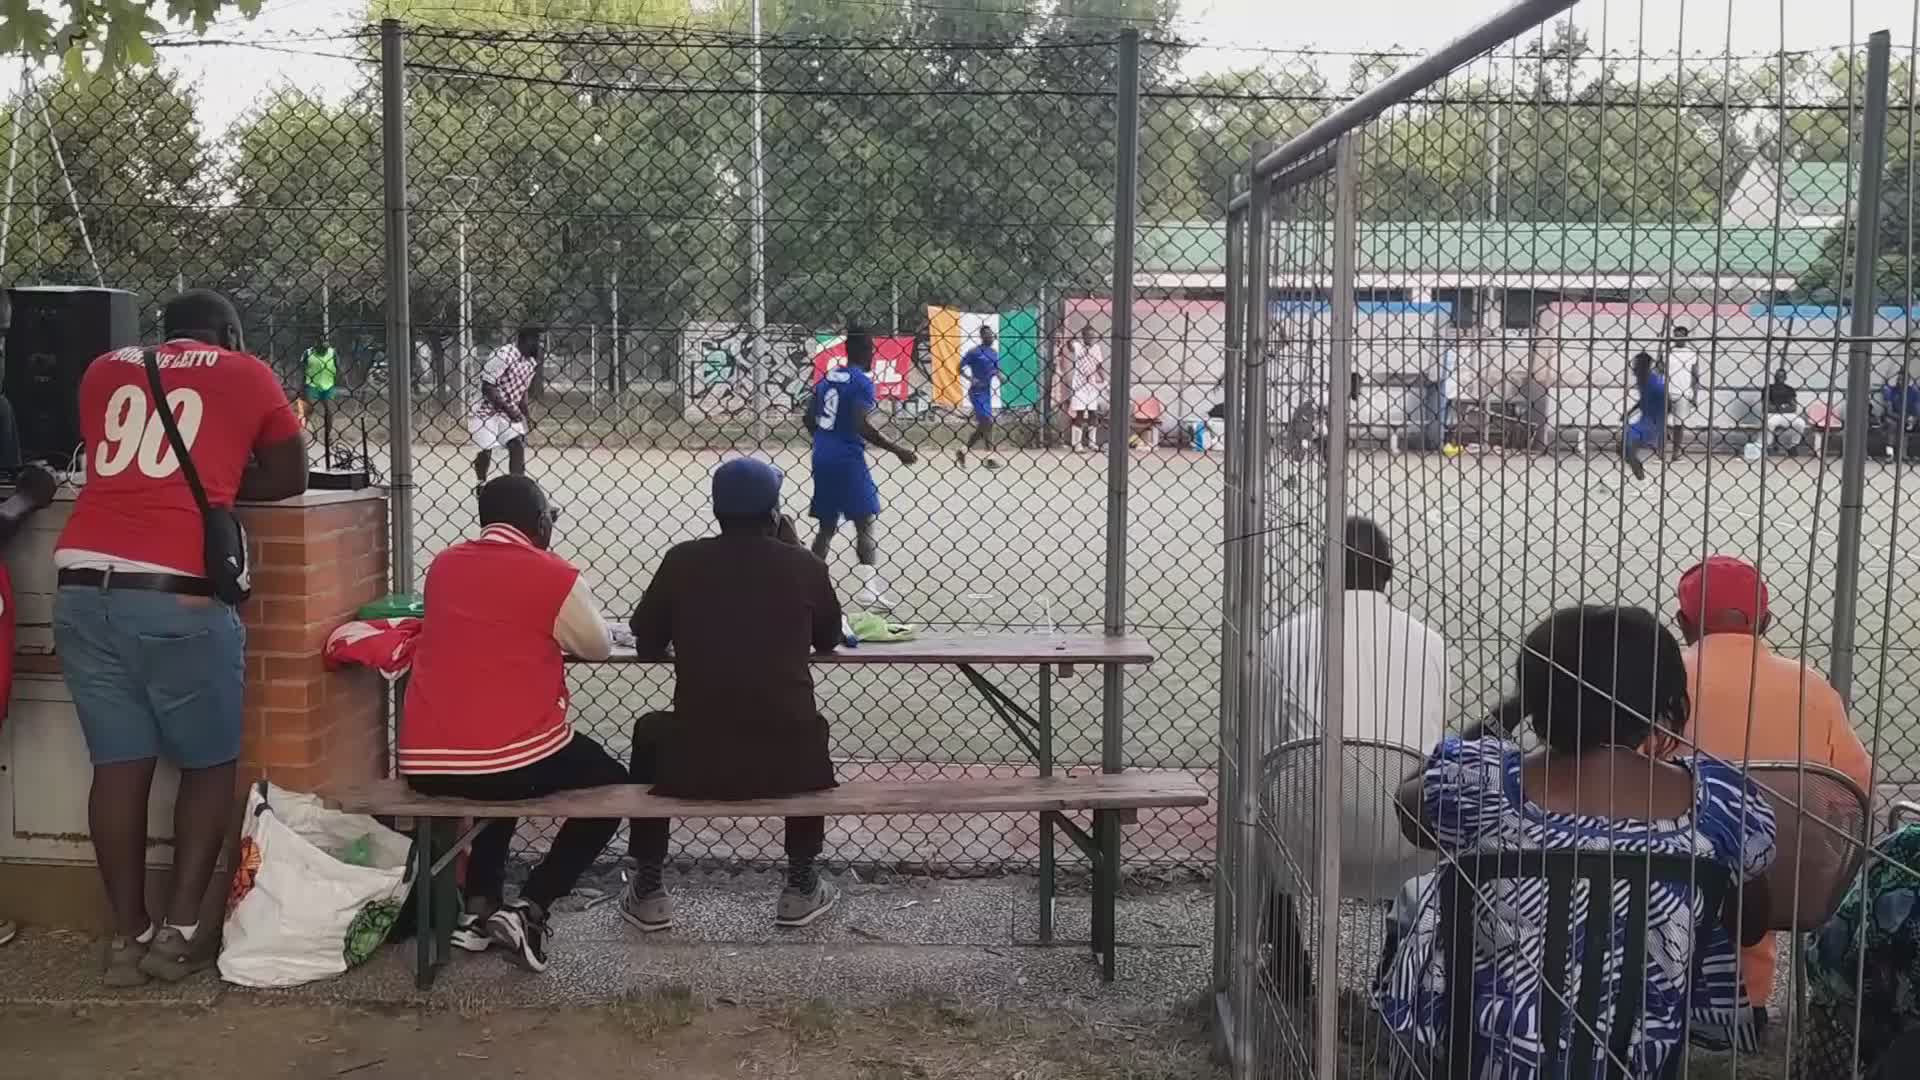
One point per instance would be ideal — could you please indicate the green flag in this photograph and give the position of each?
(1020, 358)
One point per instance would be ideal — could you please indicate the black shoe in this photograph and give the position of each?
(521, 929)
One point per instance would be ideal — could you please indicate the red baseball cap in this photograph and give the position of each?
(1719, 587)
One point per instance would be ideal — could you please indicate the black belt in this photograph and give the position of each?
(131, 579)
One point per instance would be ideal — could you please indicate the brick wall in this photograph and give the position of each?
(317, 559)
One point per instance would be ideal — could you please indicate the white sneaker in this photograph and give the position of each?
(873, 592)
(470, 933)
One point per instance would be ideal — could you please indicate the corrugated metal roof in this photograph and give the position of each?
(1515, 248)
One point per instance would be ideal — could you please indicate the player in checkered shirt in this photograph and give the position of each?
(500, 416)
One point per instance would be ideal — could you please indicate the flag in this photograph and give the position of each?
(951, 332)
(1020, 357)
(892, 361)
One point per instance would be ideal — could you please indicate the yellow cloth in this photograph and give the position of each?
(1729, 673)
(944, 342)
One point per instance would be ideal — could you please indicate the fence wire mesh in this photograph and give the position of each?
(1530, 222)
(599, 183)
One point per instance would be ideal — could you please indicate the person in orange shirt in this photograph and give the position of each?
(1751, 704)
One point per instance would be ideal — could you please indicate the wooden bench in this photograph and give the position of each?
(969, 653)
(1111, 797)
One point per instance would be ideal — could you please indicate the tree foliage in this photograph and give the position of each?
(954, 157)
(108, 34)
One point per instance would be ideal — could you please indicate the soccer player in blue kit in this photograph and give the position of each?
(980, 366)
(1650, 429)
(840, 420)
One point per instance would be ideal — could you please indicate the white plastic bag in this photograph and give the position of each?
(296, 912)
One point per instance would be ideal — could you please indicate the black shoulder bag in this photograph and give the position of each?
(225, 537)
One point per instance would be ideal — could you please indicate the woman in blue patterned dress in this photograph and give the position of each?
(1601, 687)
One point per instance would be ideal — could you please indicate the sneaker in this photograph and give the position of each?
(120, 964)
(990, 463)
(470, 933)
(961, 457)
(171, 957)
(7, 930)
(648, 914)
(805, 908)
(521, 929)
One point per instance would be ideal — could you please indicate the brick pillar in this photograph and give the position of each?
(317, 559)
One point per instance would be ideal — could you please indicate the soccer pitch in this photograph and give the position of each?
(1486, 544)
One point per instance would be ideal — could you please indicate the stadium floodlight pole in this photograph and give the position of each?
(393, 154)
(13, 158)
(757, 255)
(465, 284)
(1494, 30)
(1853, 469)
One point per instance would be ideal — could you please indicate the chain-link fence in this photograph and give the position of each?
(1532, 325)
(695, 218)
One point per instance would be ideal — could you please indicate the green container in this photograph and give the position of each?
(395, 606)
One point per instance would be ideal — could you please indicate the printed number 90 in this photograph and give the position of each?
(829, 408)
(133, 434)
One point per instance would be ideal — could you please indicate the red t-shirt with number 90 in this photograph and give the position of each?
(136, 504)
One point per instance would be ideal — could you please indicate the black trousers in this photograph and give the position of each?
(581, 763)
(648, 837)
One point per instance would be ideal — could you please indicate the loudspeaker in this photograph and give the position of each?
(55, 332)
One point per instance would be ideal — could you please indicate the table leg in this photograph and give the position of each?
(1106, 887)
(422, 903)
(1047, 885)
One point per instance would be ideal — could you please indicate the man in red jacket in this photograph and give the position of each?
(487, 709)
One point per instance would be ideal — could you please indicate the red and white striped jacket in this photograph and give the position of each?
(489, 686)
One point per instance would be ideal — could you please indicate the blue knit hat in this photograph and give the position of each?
(744, 487)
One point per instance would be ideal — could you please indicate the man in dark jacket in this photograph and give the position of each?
(743, 612)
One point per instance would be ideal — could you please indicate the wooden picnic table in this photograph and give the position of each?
(1051, 654)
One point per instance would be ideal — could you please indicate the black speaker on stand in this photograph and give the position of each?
(54, 333)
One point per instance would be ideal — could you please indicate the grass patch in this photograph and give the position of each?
(654, 1013)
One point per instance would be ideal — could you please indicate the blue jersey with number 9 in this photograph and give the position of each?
(838, 401)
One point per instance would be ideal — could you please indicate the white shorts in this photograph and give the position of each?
(494, 432)
(1092, 399)
(1679, 409)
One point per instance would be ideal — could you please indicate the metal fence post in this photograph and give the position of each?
(1126, 190)
(1333, 636)
(1853, 472)
(393, 153)
(1252, 553)
(1126, 194)
(1231, 479)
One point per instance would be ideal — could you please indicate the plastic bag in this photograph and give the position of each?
(297, 911)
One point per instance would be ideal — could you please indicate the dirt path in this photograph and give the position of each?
(665, 1035)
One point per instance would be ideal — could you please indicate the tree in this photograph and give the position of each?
(143, 183)
(113, 33)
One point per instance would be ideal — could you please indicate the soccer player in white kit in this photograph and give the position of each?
(1683, 386)
(1089, 389)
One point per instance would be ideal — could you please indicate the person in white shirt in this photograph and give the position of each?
(1683, 386)
(1396, 682)
(502, 413)
(1089, 389)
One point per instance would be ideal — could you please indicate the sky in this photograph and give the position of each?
(1235, 32)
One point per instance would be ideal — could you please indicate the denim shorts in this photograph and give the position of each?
(152, 674)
